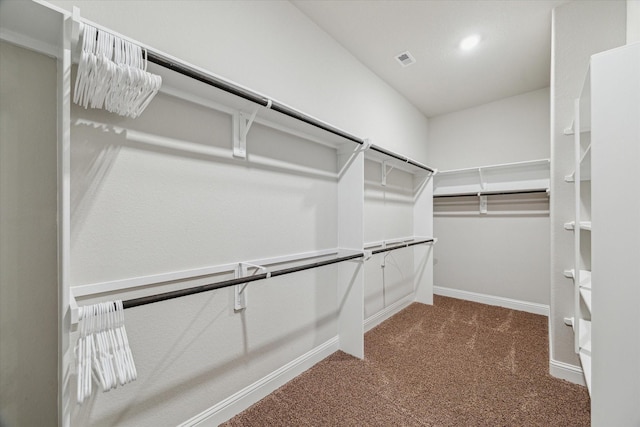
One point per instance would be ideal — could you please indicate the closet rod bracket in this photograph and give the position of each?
(385, 172)
(241, 125)
(240, 291)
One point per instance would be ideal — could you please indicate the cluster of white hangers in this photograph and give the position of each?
(103, 348)
(112, 74)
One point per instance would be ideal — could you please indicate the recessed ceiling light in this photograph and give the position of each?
(470, 42)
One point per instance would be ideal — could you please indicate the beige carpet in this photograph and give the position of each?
(455, 363)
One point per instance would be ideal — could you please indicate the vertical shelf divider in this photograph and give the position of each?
(423, 226)
(351, 237)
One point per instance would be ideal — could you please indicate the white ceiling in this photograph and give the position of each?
(512, 58)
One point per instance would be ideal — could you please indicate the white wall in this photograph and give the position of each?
(503, 256)
(509, 130)
(28, 263)
(633, 21)
(140, 210)
(579, 30)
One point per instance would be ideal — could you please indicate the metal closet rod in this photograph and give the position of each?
(401, 245)
(273, 105)
(135, 302)
(491, 193)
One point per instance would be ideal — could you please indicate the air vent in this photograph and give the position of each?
(405, 59)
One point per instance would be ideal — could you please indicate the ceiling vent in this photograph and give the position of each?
(405, 59)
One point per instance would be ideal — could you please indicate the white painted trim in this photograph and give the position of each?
(529, 307)
(374, 320)
(251, 394)
(565, 371)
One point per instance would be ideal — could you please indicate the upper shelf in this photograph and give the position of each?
(519, 176)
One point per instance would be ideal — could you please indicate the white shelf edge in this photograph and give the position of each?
(496, 166)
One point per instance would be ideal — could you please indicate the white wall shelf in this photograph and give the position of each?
(615, 251)
(518, 176)
(606, 264)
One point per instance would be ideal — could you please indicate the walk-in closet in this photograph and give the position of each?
(288, 212)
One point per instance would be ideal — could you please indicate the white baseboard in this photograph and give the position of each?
(530, 307)
(251, 394)
(567, 372)
(373, 321)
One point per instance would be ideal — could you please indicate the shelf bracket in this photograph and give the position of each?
(483, 203)
(241, 125)
(385, 172)
(240, 291)
(366, 144)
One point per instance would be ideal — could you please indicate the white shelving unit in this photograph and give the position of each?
(615, 154)
(606, 246)
(581, 272)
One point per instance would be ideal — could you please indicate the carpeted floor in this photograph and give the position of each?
(455, 363)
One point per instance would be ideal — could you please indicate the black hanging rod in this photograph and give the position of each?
(231, 282)
(401, 158)
(273, 105)
(246, 94)
(401, 245)
(135, 302)
(491, 193)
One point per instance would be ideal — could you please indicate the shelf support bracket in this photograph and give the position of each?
(241, 125)
(385, 172)
(240, 291)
